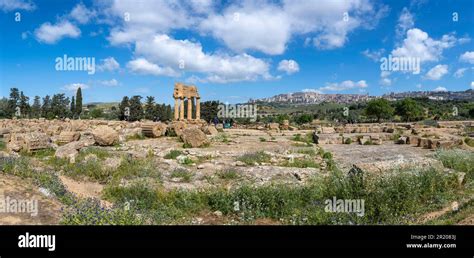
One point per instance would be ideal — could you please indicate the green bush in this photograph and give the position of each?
(228, 174)
(89, 212)
(136, 137)
(173, 154)
(256, 157)
(460, 160)
(469, 141)
(184, 174)
(395, 198)
(301, 163)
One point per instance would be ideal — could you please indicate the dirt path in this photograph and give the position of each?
(85, 189)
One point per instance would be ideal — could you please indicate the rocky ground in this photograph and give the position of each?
(87, 160)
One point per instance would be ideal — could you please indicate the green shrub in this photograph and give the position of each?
(469, 141)
(311, 152)
(307, 138)
(92, 169)
(460, 160)
(131, 168)
(228, 174)
(300, 163)
(396, 198)
(221, 137)
(173, 154)
(369, 142)
(89, 212)
(137, 136)
(327, 155)
(348, 141)
(43, 153)
(256, 157)
(184, 174)
(262, 139)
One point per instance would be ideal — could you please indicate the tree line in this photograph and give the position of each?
(61, 106)
(49, 107)
(376, 110)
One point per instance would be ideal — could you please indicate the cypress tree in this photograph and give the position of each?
(79, 101)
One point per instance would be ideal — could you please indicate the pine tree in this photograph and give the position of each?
(73, 107)
(78, 102)
(136, 109)
(36, 107)
(24, 105)
(46, 108)
(13, 101)
(150, 113)
(60, 105)
(169, 114)
(124, 104)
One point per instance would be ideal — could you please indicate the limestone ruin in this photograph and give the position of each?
(190, 93)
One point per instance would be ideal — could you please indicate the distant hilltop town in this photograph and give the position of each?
(316, 98)
(312, 98)
(434, 95)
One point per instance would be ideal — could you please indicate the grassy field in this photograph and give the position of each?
(397, 197)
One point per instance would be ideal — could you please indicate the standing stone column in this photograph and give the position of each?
(198, 108)
(190, 108)
(176, 109)
(181, 109)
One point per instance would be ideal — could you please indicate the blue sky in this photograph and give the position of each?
(234, 50)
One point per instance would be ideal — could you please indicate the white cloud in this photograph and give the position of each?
(345, 85)
(189, 56)
(12, 5)
(437, 72)
(81, 14)
(110, 83)
(202, 6)
(143, 66)
(384, 78)
(312, 91)
(385, 81)
(75, 86)
(467, 57)
(145, 18)
(472, 85)
(460, 72)
(418, 44)
(265, 28)
(108, 64)
(288, 66)
(419, 86)
(374, 55)
(324, 19)
(50, 34)
(405, 22)
(439, 88)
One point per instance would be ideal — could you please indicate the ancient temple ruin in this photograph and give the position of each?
(190, 93)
